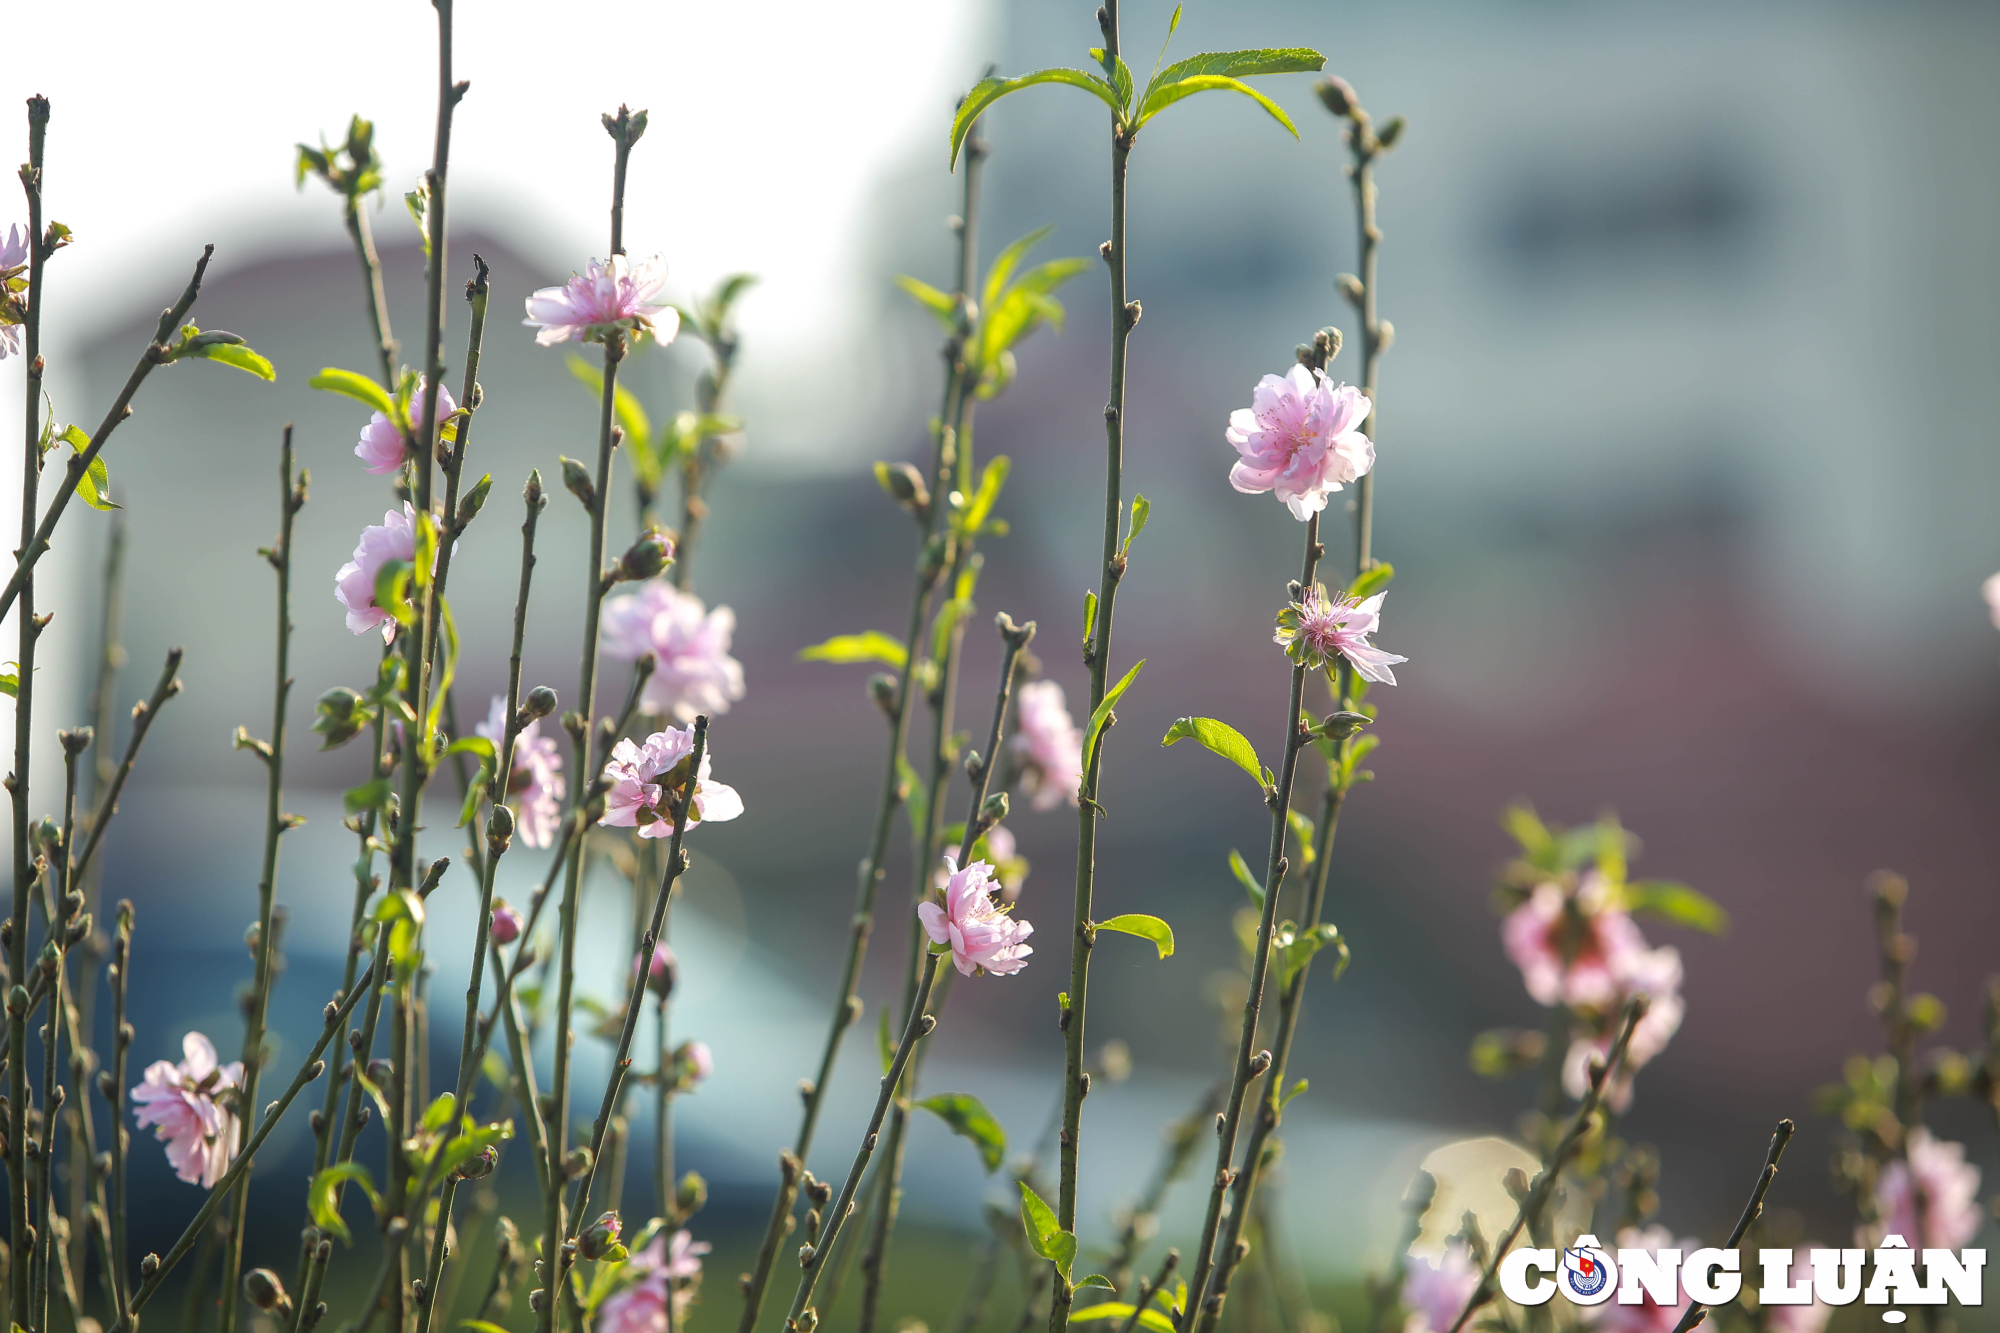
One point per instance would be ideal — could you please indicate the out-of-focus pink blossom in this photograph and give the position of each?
(660, 976)
(642, 1307)
(1435, 1293)
(183, 1105)
(1048, 745)
(535, 785)
(692, 669)
(13, 304)
(1572, 959)
(642, 776)
(381, 448)
(1647, 1316)
(354, 584)
(616, 294)
(1991, 590)
(506, 924)
(14, 249)
(1655, 974)
(982, 936)
(1300, 439)
(1950, 1188)
(1317, 628)
(693, 1062)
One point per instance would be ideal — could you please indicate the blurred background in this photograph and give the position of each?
(1687, 468)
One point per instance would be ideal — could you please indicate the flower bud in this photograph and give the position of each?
(474, 500)
(662, 974)
(265, 1290)
(149, 1266)
(1339, 726)
(538, 1300)
(653, 552)
(1350, 287)
(905, 485)
(600, 1236)
(576, 1163)
(693, 1063)
(541, 701)
(576, 478)
(506, 925)
(339, 716)
(48, 833)
(76, 741)
(379, 1072)
(882, 689)
(692, 1196)
(78, 930)
(481, 1164)
(1337, 94)
(994, 808)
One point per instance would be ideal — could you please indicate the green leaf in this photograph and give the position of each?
(1678, 903)
(942, 305)
(1371, 580)
(325, 1208)
(1297, 1088)
(1222, 739)
(1004, 263)
(1097, 1280)
(95, 484)
(1102, 713)
(1146, 928)
(884, 1043)
(10, 681)
(238, 355)
(1302, 829)
(368, 796)
(625, 406)
(1239, 64)
(868, 646)
(914, 796)
(469, 1144)
(1238, 868)
(971, 1121)
(1166, 95)
(358, 387)
(1115, 73)
(1045, 1235)
(1089, 614)
(1150, 1319)
(481, 1326)
(988, 91)
(1142, 509)
(474, 745)
(972, 519)
(1300, 950)
(438, 1114)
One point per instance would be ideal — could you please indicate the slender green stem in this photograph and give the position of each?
(1147, 1288)
(17, 781)
(358, 231)
(291, 498)
(1537, 1198)
(1291, 1002)
(1364, 146)
(811, 1258)
(1696, 1311)
(143, 714)
(621, 1059)
(121, 1138)
(60, 915)
(1248, 1066)
(1097, 656)
(929, 567)
(35, 540)
(1015, 640)
(696, 466)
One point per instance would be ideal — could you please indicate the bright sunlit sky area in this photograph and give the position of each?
(170, 132)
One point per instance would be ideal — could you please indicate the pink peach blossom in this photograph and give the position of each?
(506, 924)
(1048, 745)
(1655, 974)
(694, 1062)
(642, 1307)
(354, 584)
(983, 937)
(1950, 1187)
(183, 1103)
(1808, 1318)
(616, 294)
(661, 974)
(1316, 628)
(640, 776)
(381, 446)
(1561, 969)
(13, 302)
(1647, 1316)
(535, 785)
(1300, 438)
(692, 669)
(1434, 1293)
(1991, 590)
